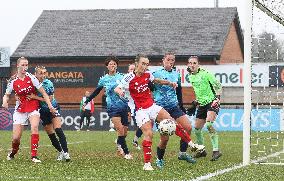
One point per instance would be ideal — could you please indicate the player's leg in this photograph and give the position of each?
(120, 134)
(145, 124)
(46, 119)
(125, 123)
(180, 131)
(147, 144)
(211, 117)
(161, 148)
(52, 137)
(201, 115)
(16, 140)
(34, 119)
(185, 123)
(19, 120)
(56, 121)
(82, 117)
(88, 117)
(138, 134)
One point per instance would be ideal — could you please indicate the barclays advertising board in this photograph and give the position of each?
(261, 120)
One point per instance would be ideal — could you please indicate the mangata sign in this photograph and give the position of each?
(76, 76)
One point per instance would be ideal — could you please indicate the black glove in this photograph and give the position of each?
(192, 108)
(183, 109)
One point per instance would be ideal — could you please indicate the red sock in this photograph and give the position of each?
(15, 147)
(147, 150)
(180, 131)
(34, 144)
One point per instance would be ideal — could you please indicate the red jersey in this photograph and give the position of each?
(22, 88)
(138, 88)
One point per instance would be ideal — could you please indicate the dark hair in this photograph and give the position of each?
(111, 58)
(137, 58)
(169, 53)
(194, 56)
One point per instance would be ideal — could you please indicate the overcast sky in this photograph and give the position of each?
(18, 16)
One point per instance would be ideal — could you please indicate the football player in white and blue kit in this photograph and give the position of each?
(117, 107)
(171, 100)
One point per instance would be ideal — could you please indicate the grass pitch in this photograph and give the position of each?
(94, 157)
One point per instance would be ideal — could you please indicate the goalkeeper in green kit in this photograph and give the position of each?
(207, 90)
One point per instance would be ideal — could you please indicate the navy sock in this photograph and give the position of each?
(122, 142)
(139, 133)
(183, 146)
(55, 142)
(62, 139)
(88, 122)
(81, 122)
(160, 153)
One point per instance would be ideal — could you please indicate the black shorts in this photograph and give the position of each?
(87, 113)
(123, 114)
(202, 110)
(175, 112)
(46, 116)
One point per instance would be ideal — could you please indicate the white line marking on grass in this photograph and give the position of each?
(235, 167)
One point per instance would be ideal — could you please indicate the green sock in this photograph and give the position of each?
(214, 141)
(199, 136)
(213, 136)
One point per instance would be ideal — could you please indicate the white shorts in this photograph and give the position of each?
(23, 118)
(145, 115)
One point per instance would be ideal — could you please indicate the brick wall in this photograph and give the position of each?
(232, 52)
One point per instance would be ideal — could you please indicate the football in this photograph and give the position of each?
(167, 127)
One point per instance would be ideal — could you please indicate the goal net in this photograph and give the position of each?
(267, 96)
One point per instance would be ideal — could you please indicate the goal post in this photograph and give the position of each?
(247, 81)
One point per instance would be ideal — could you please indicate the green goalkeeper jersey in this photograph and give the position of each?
(205, 86)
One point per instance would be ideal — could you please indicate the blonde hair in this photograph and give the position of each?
(21, 58)
(38, 68)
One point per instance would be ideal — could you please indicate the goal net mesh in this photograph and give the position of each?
(267, 118)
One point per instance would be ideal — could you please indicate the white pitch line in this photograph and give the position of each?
(220, 172)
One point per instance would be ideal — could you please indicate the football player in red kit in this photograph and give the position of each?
(146, 110)
(24, 84)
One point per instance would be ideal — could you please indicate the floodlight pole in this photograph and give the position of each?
(247, 82)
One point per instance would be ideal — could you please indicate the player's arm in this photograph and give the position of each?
(46, 99)
(164, 82)
(33, 96)
(40, 88)
(6, 98)
(216, 85)
(123, 84)
(8, 92)
(179, 95)
(93, 95)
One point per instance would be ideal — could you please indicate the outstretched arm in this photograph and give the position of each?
(165, 82)
(93, 95)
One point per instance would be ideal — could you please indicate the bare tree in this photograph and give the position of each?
(266, 48)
